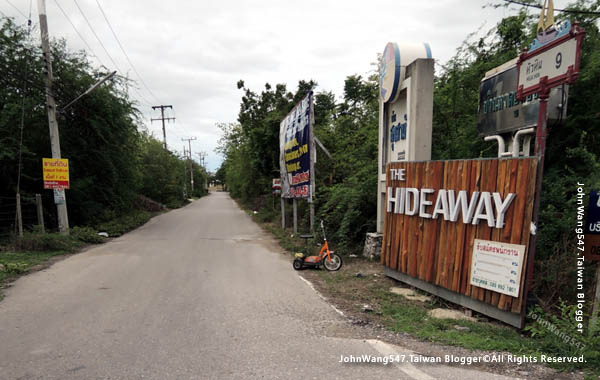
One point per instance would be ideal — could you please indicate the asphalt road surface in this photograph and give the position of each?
(196, 293)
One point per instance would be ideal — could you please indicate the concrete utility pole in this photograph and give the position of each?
(163, 118)
(190, 159)
(59, 195)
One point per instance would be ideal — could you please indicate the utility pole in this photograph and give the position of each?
(201, 156)
(190, 159)
(184, 187)
(163, 118)
(59, 194)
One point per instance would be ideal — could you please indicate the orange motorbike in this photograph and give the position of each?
(329, 259)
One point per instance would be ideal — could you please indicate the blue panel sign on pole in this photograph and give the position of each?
(593, 219)
(295, 144)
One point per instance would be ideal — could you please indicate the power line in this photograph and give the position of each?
(79, 34)
(96, 35)
(143, 99)
(558, 10)
(125, 53)
(17, 9)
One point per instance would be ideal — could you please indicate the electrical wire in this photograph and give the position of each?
(17, 9)
(125, 53)
(78, 33)
(96, 35)
(101, 44)
(558, 10)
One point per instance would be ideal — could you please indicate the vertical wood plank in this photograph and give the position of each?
(497, 232)
(474, 184)
(432, 226)
(528, 216)
(442, 247)
(461, 229)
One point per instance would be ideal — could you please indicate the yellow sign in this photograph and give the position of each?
(56, 173)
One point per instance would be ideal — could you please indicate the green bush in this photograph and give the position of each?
(125, 223)
(87, 235)
(16, 268)
(557, 335)
(32, 241)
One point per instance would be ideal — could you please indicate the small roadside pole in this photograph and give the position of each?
(40, 212)
(19, 216)
(295, 209)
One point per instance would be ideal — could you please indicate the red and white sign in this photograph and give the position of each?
(550, 65)
(276, 185)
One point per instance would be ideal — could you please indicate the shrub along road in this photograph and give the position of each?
(200, 292)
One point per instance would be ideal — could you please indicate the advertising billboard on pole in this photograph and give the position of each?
(296, 150)
(56, 173)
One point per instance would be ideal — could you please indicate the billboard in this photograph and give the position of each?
(296, 150)
(499, 109)
(460, 229)
(56, 173)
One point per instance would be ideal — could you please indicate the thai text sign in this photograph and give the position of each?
(436, 210)
(500, 111)
(56, 173)
(295, 146)
(551, 63)
(497, 266)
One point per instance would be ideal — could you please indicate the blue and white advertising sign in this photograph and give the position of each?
(295, 147)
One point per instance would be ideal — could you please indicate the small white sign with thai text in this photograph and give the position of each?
(497, 266)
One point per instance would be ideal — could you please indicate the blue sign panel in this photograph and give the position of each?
(593, 219)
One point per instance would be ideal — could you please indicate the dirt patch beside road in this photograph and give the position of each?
(361, 291)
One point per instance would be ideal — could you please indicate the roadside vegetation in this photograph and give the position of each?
(113, 159)
(346, 184)
(120, 174)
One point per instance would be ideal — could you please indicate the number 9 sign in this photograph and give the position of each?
(558, 60)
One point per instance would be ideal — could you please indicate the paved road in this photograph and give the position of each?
(197, 293)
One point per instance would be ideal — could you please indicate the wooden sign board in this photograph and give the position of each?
(592, 248)
(429, 243)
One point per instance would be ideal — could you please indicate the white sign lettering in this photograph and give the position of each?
(484, 206)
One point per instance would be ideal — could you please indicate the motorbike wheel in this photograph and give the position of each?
(297, 264)
(334, 264)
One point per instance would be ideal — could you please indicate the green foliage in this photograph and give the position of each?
(557, 334)
(33, 241)
(124, 223)
(87, 235)
(111, 159)
(16, 268)
(345, 184)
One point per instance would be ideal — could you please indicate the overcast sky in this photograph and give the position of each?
(192, 53)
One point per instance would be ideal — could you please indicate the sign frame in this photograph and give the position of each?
(545, 83)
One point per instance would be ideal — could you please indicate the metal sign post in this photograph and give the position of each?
(552, 60)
